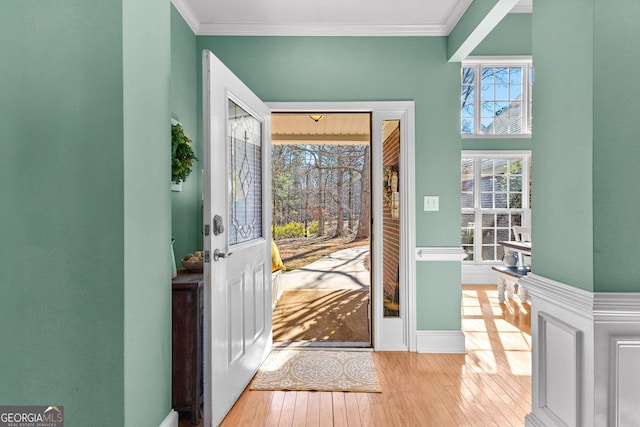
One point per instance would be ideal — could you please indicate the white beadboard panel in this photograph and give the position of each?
(440, 342)
(559, 370)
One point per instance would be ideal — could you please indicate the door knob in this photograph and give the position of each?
(217, 254)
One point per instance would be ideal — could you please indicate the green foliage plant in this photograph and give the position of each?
(182, 155)
(294, 230)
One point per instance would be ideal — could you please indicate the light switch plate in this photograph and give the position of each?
(431, 203)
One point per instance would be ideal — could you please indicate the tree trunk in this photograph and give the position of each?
(350, 202)
(320, 196)
(339, 191)
(364, 222)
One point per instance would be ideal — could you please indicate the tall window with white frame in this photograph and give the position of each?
(496, 97)
(495, 197)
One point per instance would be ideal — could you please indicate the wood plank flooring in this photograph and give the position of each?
(490, 385)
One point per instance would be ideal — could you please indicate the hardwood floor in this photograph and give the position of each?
(490, 385)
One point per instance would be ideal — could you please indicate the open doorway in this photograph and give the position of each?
(321, 195)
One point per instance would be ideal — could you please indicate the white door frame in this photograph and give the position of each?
(389, 334)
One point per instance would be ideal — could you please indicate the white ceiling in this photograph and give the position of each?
(326, 18)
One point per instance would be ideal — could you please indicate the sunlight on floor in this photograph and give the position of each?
(484, 318)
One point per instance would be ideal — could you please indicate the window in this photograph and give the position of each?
(495, 196)
(496, 97)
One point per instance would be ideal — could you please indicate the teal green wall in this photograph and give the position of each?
(616, 185)
(381, 69)
(186, 205)
(62, 215)
(563, 142)
(512, 36)
(437, 301)
(147, 210)
(81, 150)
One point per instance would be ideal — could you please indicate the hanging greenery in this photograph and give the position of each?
(182, 155)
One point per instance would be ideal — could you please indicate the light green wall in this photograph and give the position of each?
(563, 142)
(82, 138)
(186, 205)
(360, 69)
(512, 36)
(616, 151)
(437, 300)
(62, 215)
(147, 210)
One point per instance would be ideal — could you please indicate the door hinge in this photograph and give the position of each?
(206, 256)
(206, 229)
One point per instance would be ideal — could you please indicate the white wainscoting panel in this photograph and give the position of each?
(585, 356)
(559, 359)
(626, 382)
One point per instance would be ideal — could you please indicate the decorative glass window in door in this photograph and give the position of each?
(245, 156)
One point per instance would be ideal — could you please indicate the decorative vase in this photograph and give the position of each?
(174, 270)
(510, 259)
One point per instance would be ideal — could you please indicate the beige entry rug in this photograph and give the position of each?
(317, 370)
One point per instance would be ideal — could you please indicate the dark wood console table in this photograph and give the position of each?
(186, 335)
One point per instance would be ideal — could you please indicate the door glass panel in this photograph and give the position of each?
(391, 217)
(245, 157)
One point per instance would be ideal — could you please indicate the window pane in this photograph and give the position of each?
(502, 92)
(488, 236)
(502, 234)
(515, 75)
(488, 221)
(488, 253)
(468, 126)
(515, 183)
(245, 161)
(468, 110)
(515, 201)
(486, 200)
(502, 220)
(466, 200)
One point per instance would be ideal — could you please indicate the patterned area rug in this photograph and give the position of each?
(315, 370)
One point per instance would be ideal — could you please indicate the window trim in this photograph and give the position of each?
(526, 208)
(498, 61)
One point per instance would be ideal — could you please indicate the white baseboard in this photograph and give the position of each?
(440, 342)
(171, 420)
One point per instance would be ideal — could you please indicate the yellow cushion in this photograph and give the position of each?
(276, 261)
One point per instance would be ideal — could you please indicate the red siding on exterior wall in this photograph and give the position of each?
(391, 225)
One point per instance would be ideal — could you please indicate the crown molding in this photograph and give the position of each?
(319, 29)
(187, 14)
(456, 14)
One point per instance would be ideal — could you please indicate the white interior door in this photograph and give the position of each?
(237, 236)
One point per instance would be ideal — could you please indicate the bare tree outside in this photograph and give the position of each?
(321, 190)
